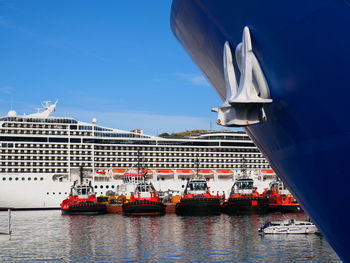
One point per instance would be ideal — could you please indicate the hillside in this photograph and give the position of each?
(182, 134)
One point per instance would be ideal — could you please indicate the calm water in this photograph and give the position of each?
(48, 236)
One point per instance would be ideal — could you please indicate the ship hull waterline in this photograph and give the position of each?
(246, 206)
(89, 209)
(143, 208)
(198, 207)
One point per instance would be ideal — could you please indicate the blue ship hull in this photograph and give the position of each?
(304, 49)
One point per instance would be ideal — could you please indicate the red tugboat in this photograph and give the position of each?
(280, 199)
(197, 199)
(82, 200)
(244, 199)
(144, 201)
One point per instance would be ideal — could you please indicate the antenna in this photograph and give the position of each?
(244, 168)
(138, 161)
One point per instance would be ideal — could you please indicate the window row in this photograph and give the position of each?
(33, 170)
(29, 164)
(34, 126)
(31, 157)
(181, 166)
(172, 154)
(39, 132)
(25, 145)
(173, 149)
(131, 160)
(32, 152)
(22, 178)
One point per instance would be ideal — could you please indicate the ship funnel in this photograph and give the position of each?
(244, 102)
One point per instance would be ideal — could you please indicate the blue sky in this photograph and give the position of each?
(116, 61)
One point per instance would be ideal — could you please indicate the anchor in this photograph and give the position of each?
(244, 102)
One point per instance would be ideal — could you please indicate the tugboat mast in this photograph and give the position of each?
(197, 167)
(244, 168)
(81, 174)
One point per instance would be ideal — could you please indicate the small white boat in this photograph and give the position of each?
(289, 226)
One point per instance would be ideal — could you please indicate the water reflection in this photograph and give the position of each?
(49, 236)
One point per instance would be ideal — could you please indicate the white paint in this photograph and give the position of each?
(243, 105)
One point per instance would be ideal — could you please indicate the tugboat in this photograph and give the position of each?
(144, 201)
(197, 199)
(82, 200)
(244, 198)
(280, 199)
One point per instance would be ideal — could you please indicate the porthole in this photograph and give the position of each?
(4, 178)
(112, 186)
(65, 193)
(107, 186)
(182, 186)
(95, 186)
(47, 193)
(101, 186)
(10, 178)
(101, 193)
(41, 178)
(59, 193)
(53, 193)
(29, 178)
(23, 178)
(35, 178)
(16, 178)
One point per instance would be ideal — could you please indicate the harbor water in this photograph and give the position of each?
(48, 236)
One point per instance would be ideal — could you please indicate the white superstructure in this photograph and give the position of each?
(40, 158)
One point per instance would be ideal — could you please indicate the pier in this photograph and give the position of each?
(7, 235)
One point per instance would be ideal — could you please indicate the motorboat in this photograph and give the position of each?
(289, 226)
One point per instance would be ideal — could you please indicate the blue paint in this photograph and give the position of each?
(303, 48)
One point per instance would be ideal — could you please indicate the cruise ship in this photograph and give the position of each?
(41, 156)
(282, 71)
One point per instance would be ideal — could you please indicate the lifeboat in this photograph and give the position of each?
(281, 200)
(148, 171)
(184, 173)
(268, 174)
(206, 173)
(244, 199)
(165, 173)
(118, 173)
(82, 200)
(223, 173)
(197, 199)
